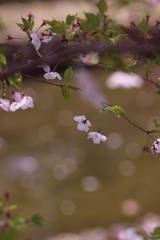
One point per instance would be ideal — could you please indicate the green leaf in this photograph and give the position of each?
(26, 23)
(102, 6)
(157, 125)
(158, 92)
(68, 74)
(156, 232)
(20, 25)
(143, 25)
(3, 59)
(65, 92)
(70, 19)
(18, 223)
(92, 21)
(55, 24)
(72, 87)
(37, 219)
(15, 79)
(117, 110)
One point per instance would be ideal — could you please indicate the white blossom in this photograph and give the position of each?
(45, 67)
(121, 79)
(26, 102)
(4, 104)
(156, 146)
(35, 41)
(129, 234)
(16, 96)
(52, 75)
(83, 123)
(97, 137)
(15, 106)
(89, 59)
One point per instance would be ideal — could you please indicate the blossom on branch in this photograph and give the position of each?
(97, 137)
(4, 104)
(35, 41)
(30, 16)
(16, 96)
(89, 59)
(52, 75)
(47, 38)
(26, 102)
(15, 106)
(45, 67)
(83, 123)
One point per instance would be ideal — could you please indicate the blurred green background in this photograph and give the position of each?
(51, 168)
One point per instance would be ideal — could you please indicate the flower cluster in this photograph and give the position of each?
(84, 124)
(19, 101)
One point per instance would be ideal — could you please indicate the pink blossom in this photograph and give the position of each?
(97, 137)
(45, 67)
(15, 106)
(52, 75)
(16, 96)
(47, 38)
(4, 104)
(35, 41)
(31, 16)
(26, 102)
(83, 123)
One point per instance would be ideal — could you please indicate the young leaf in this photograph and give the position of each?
(72, 87)
(3, 59)
(155, 123)
(68, 74)
(143, 25)
(117, 110)
(65, 92)
(102, 6)
(38, 219)
(70, 19)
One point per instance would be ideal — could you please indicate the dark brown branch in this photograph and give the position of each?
(67, 51)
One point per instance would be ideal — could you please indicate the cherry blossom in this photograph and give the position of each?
(26, 102)
(129, 234)
(35, 41)
(31, 16)
(47, 38)
(83, 123)
(16, 96)
(52, 75)
(4, 104)
(89, 59)
(15, 106)
(156, 147)
(45, 67)
(97, 137)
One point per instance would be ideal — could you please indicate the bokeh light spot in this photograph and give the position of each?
(57, 146)
(131, 207)
(145, 99)
(127, 168)
(133, 150)
(90, 184)
(67, 207)
(114, 140)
